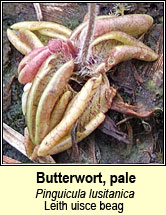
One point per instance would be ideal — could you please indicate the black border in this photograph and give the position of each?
(100, 165)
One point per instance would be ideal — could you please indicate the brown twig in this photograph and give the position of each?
(7, 159)
(124, 120)
(38, 11)
(14, 138)
(17, 141)
(84, 51)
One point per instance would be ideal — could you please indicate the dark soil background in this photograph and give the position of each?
(144, 136)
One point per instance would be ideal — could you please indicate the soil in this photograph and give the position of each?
(145, 135)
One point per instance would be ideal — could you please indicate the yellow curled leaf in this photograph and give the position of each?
(30, 38)
(17, 43)
(53, 34)
(40, 82)
(101, 46)
(51, 94)
(125, 52)
(29, 146)
(35, 25)
(66, 142)
(73, 113)
(59, 109)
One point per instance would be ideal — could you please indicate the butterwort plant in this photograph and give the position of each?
(65, 78)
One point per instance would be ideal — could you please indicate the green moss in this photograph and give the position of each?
(71, 24)
(151, 86)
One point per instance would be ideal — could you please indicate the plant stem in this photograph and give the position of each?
(84, 52)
